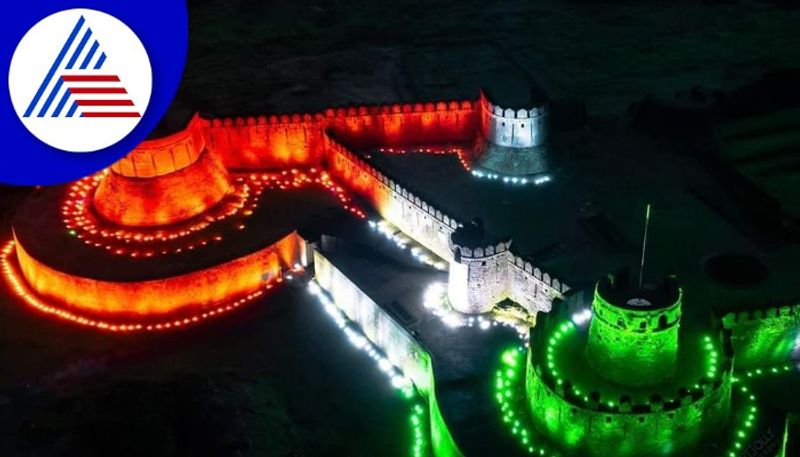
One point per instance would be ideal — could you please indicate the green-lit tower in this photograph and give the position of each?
(634, 329)
(627, 379)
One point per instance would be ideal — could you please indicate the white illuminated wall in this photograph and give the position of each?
(399, 346)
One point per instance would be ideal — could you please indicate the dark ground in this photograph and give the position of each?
(276, 379)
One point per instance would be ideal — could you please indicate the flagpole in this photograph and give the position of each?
(644, 244)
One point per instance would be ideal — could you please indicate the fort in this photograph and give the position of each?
(212, 218)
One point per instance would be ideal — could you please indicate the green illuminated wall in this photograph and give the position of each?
(655, 428)
(593, 422)
(622, 340)
(765, 338)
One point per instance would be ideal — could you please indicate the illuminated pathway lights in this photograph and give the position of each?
(208, 228)
(177, 299)
(435, 300)
(509, 385)
(403, 242)
(537, 180)
(509, 394)
(567, 330)
(19, 286)
(458, 151)
(418, 417)
(466, 163)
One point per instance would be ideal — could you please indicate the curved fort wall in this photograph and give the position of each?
(520, 128)
(191, 291)
(630, 429)
(621, 337)
(163, 181)
(631, 421)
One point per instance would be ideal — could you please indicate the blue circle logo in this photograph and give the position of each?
(93, 79)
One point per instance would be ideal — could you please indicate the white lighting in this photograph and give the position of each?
(582, 317)
(357, 338)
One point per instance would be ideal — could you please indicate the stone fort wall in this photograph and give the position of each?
(765, 337)
(681, 415)
(166, 155)
(400, 347)
(521, 128)
(395, 203)
(638, 430)
(484, 276)
(308, 140)
(279, 141)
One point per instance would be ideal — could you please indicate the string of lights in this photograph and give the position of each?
(82, 222)
(20, 288)
(418, 417)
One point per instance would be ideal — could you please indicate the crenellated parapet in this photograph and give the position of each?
(765, 337)
(165, 155)
(516, 128)
(635, 326)
(568, 398)
(399, 205)
(483, 274)
(164, 181)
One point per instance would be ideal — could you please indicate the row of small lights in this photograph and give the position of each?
(741, 432)
(435, 300)
(418, 417)
(712, 361)
(419, 422)
(466, 163)
(507, 376)
(401, 241)
(744, 430)
(507, 394)
(520, 180)
(81, 222)
(459, 152)
(568, 327)
(19, 287)
(774, 371)
(360, 341)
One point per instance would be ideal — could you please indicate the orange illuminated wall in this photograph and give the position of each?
(177, 295)
(163, 181)
(267, 142)
(405, 124)
(272, 142)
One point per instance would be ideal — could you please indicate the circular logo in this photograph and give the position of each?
(80, 80)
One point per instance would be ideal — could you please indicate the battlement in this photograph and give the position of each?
(515, 128)
(339, 153)
(526, 266)
(599, 415)
(761, 337)
(634, 328)
(166, 155)
(670, 400)
(508, 113)
(481, 252)
(733, 318)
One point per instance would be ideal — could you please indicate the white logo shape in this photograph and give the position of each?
(80, 80)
